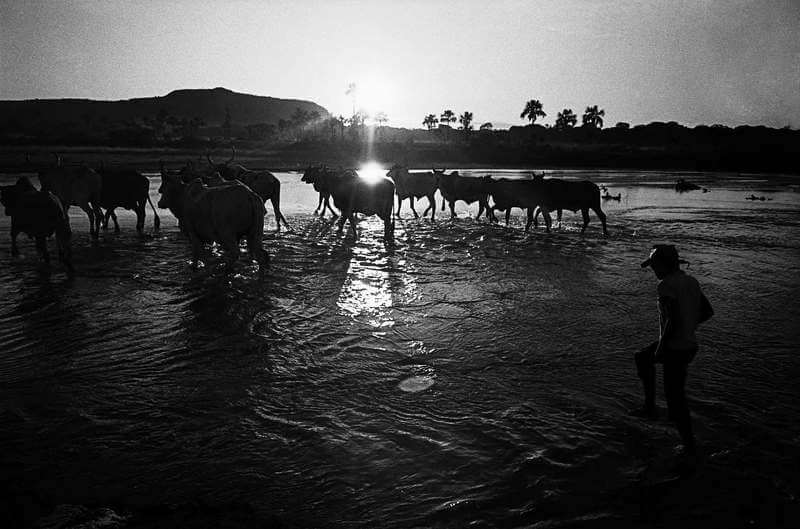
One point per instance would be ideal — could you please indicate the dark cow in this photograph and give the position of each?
(263, 183)
(224, 214)
(455, 187)
(129, 189)
(352, 194)
(76, 186)
(508, 194)
(318, 177)
(414, 185)
(39, 214)
(557, 194)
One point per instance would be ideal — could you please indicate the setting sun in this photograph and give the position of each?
(371, 171)
(373, 94)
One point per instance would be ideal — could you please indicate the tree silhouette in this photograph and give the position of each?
(430, 121)
(593, 117)
(351, 91)
(466, 120)
(381, 118)
(448, 116)
(486, 126)
(533, 111)
(566, 119)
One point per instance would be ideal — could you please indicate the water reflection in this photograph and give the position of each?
(377, 280)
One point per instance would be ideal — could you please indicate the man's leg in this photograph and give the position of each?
(646, 369)
(675, 371)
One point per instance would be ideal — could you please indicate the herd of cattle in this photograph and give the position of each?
(224, 202)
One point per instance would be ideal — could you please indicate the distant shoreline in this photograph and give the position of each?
(147, 159)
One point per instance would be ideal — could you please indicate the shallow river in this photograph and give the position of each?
(473, 375)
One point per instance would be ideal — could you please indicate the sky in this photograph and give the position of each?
(696, 62)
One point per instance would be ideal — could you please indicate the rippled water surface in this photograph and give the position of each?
(471, 375)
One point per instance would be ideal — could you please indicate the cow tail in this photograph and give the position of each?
(156, 220)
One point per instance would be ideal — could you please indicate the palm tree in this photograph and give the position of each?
(566, 119)
(533, 111)
(466, 120)
(381, 118)
(430, 121)
(447, 116)
(593, 117)
(340, 122)
(351, 91)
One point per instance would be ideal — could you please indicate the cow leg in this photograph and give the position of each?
(257, 251)
(156, 220)
(352, 218)
(64, 251)
(342, 219)
(93, 221)
(559, 217)
(276, 207)
(41, 247)
(530, 219)
(140, 215)
(547, 220)
(388, 226)
(319, 204)
(231, 249)
(508, 215)
(536, 213)
(98, 217)
(585, 213)
(399, 206)
(328, 204)
(14, 233)
(411, 198)
(197, 246)
(602, 217)
(106, 217)
(481, 207)
(116, 224)
(431, 207)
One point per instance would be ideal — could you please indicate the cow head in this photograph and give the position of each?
(9, 195)
(172, 191)
(311, 174)
(212, 179)
(396, 170)
(221, 167)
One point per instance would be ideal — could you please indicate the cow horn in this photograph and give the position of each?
(208, 157)
(233, 155)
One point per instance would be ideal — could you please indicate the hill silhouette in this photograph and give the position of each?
(87, 119)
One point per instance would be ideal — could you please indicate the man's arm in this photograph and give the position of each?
(706, 311)
(667, 307)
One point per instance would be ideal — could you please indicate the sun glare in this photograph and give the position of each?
(371, 171)
(374, 95)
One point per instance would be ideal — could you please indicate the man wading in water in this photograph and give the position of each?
(681, 307)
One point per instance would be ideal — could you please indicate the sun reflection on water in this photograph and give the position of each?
(376, 282)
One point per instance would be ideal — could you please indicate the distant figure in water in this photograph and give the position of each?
(681, 307)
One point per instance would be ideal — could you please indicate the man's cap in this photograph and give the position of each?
(663, 253)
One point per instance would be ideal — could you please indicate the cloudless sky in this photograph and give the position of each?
(701, 61)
